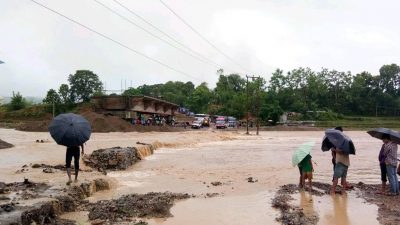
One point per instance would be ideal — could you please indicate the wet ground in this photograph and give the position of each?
(233, 176)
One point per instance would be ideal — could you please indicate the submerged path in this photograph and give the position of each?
(233, 176)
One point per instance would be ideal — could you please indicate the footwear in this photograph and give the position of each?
(69, 182)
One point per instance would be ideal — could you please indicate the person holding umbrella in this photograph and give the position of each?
(306, 171)
(72, 131)
(390, 140)
(390, 151)
(302, 158)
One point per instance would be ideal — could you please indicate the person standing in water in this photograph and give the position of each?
(382, 165)
(390, 152)
(75, 153)
(307, 169)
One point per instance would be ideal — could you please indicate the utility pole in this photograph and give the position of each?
(258, 105)
(247, 104)
(53, 108)
(257, 101)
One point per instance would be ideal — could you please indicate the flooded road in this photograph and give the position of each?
(197, 169)
(267, 160)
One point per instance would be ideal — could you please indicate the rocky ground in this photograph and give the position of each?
(116, 158)
(128, 207)
(125, 209)
(53, 203)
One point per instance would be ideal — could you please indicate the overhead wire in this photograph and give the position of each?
(169, 36)
(116, 42)
(147, 31)
(202, 36)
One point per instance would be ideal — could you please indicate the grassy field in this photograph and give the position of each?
(362, 123)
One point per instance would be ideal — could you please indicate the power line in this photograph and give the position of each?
(115, 41)
(169, 36)
(201, 36)
(147, 31)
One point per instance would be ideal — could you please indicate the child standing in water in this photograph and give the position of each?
(306, 171)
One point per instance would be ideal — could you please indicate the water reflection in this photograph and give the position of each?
(307, 202)
(339, 214)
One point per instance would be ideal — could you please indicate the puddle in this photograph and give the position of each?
(343, 210)
(234, 210)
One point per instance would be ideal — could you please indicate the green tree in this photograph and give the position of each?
(389, 79)
(200, 98)
(132, 91)
(84, 83)
(17, 102)
(52, 97)
(362, 96)
(64, 93)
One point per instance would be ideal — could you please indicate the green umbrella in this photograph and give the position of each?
(301, 152)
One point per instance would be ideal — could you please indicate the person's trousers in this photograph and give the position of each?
(394, 182)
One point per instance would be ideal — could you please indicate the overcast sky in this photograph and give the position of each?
(40, 49)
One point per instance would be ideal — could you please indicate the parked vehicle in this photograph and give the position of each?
(232, 121)
(197, 124)
(204, 118)
(220, 124)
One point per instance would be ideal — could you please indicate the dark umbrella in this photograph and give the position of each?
(379, 132)
(70, 129)
(336, 138)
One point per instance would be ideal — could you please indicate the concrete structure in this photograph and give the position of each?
(130, 107)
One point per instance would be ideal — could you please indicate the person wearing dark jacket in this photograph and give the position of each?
(382, 165)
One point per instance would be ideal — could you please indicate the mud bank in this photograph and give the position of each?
(20, 209)
(388, 206)
(291, 214)
(126, 208)
(99, 122)
(4, 144)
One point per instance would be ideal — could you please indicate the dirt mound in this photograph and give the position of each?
(106, 123)
(100, 123)
(135, 205)
(4, 144)
(34, 126)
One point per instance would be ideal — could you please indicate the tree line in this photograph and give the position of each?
(299, 90)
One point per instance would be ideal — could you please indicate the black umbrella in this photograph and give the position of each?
(70, 129)
(379, 132)
(336, 138)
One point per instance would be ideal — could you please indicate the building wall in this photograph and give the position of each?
(127, 107)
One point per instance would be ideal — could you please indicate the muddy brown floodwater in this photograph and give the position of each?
(234, 177)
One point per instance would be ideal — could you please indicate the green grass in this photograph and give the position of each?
(363, 123)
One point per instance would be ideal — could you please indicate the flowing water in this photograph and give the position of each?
(265, 158)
